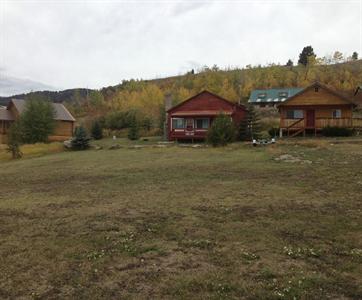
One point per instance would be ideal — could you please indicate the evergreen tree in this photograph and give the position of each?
(221, 131)
(305, 54)
(249, 127)
(14, 140)
(289, 63)
(133, 132)
(96, 131)
(80, 140)
(37, 121)
(244, 134)
(354, 56)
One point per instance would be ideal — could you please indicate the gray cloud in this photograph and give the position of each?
(93, 44)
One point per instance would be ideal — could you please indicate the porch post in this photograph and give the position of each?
(280, 132)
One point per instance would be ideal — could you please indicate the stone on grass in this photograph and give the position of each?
(68, 144)
(115, 146)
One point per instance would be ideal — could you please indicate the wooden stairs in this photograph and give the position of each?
(294, 130)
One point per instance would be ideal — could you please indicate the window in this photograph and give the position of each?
(337, 113)
(283, 94)
(295, 114)
(316, 89)
(262, 95)
(202, 123)
(178, 123)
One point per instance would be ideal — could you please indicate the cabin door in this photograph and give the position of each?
(190, 124)
(310, 118)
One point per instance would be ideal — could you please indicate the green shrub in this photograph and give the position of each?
(97, 131)
(222, 131)
(273, 132)
(81, 139)
(337, 131)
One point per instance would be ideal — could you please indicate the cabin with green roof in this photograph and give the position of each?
(271, 97)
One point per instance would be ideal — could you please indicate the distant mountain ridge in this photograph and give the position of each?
(13, 86)
(55, 96)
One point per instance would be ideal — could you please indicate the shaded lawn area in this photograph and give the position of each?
(180, 223)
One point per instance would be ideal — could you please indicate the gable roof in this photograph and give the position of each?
(317, 84)
(61, 113)
(232, 104)
(6, 115)
(272, 95)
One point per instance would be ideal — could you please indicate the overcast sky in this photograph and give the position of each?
(93, 44)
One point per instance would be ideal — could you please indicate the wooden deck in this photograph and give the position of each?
(293, 127)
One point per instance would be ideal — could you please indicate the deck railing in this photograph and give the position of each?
(322, 122)
(333, 122)
(357, 122)
(295, 123)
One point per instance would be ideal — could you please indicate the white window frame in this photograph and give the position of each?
(338, 114)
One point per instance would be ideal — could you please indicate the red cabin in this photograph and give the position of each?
(192, 118)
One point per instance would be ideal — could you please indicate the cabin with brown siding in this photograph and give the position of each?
(191, 119)
(64, 120)
(314, 108)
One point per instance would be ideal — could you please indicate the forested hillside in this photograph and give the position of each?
(146, 97)
(70, 95)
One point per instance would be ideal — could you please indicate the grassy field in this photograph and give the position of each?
(184, 223)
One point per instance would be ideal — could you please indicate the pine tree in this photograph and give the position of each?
(14, 140)
(244, 134)
(81, 139)
(249, 127)
(222, 131)
(289, 63)
(354, 56)
(133, 132)
(96, 131)
(306, 53)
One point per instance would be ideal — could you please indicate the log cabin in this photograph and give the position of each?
(64, 120)
(191, 119)
(314, 108)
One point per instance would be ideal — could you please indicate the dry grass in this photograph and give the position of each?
(33, 150)
(180, 223)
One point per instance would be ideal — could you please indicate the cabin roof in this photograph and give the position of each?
(61, 113)
(231, 104)
(318, 84)
(6, 115)
(272, 95)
